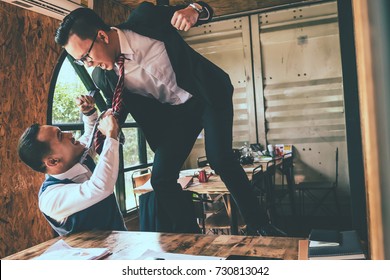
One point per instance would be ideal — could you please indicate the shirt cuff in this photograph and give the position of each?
(90, 112)
(90, 120)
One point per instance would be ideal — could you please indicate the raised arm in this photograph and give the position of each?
(59, 201)
(181, 17)
(86, 106)
(193, 14)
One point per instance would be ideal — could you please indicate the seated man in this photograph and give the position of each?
(76, 195)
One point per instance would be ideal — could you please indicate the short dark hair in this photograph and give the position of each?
(31, 151)
(83, 22)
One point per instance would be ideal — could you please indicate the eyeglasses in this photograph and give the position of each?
(86, 57)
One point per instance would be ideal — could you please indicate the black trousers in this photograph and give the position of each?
(186, 122)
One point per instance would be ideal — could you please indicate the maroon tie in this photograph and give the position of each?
(117, 104)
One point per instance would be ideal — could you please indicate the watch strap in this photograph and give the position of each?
(196, 8)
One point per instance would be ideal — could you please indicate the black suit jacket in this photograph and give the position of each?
(194, 73)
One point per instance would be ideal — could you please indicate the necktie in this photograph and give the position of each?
(117, 104)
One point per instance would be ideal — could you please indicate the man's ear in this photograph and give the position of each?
(103, 36)
(51, 161)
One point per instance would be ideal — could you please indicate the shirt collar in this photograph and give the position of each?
(124, 43)
(71, 173)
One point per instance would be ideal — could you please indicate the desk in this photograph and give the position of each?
(127, 245)
(216, 186)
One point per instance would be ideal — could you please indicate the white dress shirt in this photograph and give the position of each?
(148, 70)
(62, 200)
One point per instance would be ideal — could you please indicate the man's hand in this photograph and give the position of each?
(184, 19)
(108, 125)
(85, 103)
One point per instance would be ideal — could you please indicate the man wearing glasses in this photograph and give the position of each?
(187, 92)
(86, 58)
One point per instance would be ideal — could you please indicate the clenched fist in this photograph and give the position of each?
(184, 19)
(85, 103)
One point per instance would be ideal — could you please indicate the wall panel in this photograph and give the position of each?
(302, 89)
(28, 55)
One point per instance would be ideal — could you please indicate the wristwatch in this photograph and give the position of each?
(197, 7)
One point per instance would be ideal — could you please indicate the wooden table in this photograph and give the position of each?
(127, 245)
(216, 186)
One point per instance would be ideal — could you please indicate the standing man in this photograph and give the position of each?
(189, 92)
(76, 195)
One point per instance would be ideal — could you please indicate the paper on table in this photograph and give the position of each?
(154, 255)
(185, 182)
(62, 251)
(189, 172)
(265, 159)
(313, 243)
(350, 248)
(324, 238)
(248, 169)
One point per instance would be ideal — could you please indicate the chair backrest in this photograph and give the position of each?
(202, 161)
(287, 168)
(287, 163)
(257, 181)
(337, 168)
(270, 172)
(199, 203)
(140, 177)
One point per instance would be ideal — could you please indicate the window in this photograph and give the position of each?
(68, 82)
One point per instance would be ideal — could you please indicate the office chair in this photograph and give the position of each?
(216, 219)
(263, 184)
(269, 182)
(318, 192)
(286, 169)
(138, 178)
(212, 215)
(219, 222)
(202, 161)
(258, 183)
(268, 192)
